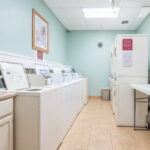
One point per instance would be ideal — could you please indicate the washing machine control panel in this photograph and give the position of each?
(14, 76)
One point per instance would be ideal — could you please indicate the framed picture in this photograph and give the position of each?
(40, 33)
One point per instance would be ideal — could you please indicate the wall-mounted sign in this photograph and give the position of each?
(40, 55)
(127, 44)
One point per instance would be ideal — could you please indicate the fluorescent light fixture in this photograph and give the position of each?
(101, 12)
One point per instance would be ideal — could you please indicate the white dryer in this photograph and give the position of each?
(37, 111)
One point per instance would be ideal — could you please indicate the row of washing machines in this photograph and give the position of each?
(46, 105)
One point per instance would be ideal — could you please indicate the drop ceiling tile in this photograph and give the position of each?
(75, 22)
(134, 25)
(122, 28)
(61, 17)
(109, 28)
(109, 21)
(79, 27)
(109, 24)
(93, 21)
(131, 3)
(144, 12)
(98, 27)
(73, 13)
(64, 21)
(119, 27)
(68, 27)
(68, 3)
(147, 2)
(51, 3)
(58, 13)
(94, 26)
(93, 3)
(129, 12)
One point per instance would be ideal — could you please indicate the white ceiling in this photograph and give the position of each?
(70, 14)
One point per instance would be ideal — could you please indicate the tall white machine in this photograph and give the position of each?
(129, 60)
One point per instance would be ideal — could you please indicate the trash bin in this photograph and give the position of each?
(105, 92)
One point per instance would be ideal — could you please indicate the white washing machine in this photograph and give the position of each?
(37, 110)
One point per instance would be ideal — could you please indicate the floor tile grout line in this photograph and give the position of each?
(89, 139)
(111, 139)
(110, 133)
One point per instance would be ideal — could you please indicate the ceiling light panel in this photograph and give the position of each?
(101, 12)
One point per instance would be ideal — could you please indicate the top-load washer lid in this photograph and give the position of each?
(14, 76)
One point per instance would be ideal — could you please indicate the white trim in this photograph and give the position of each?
(132, 35)
(26, 58)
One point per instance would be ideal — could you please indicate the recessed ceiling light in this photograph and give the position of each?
(125, 22)
(101, 12)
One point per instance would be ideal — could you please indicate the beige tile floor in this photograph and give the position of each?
(95, 129)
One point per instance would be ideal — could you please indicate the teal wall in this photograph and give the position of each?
(16, 29)
(144, 28)
(76, 48)
(84, 55)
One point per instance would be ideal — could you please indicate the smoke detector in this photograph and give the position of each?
(125, 22)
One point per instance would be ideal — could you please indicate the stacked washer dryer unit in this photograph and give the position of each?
(129, 60)
(37, 111)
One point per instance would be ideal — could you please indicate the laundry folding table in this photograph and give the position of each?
(145, 89)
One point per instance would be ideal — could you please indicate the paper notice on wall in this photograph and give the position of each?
(127, 59)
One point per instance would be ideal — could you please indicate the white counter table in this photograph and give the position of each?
(145, 89)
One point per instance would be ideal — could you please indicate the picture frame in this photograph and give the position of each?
(40, 32)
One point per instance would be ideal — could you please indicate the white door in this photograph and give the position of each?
(6, 133)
